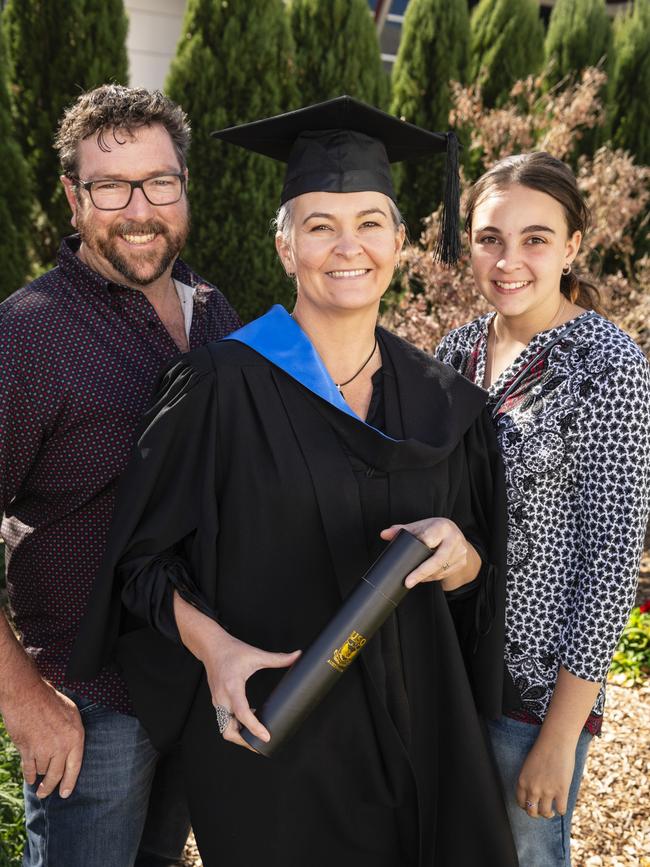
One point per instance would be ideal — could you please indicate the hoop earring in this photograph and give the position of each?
(566, 270)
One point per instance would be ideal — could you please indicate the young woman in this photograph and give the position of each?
(267, 470)
(569, 394)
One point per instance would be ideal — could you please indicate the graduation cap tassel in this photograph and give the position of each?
(448, 247)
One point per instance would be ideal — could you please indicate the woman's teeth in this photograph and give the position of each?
(519, 285)
(358, 273)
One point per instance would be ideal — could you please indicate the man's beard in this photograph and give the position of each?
(130, 267)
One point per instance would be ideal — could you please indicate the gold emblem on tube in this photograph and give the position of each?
(344, 654)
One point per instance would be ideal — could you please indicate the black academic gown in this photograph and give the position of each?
(243, 496)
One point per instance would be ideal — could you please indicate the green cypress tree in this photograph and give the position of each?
(630, 107)
(234, 64)
(579, 35)
(56, 50)
(432, 52)
(104, 56)
(15, 196)
(506, 44)
(337, 51)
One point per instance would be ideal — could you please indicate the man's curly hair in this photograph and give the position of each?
(112, 108)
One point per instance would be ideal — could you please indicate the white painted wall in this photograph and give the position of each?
(154, 28)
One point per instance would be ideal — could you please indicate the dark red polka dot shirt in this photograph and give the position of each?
(79, 358)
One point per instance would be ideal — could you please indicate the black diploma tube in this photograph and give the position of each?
(377, 594)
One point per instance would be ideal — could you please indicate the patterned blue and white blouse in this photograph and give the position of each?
(574, 432)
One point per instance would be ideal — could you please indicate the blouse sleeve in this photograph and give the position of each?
(614, 486)
(165, 523)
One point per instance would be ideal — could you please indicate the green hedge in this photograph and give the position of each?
(12, 831)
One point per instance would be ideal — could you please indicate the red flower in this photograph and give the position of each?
(644, 607)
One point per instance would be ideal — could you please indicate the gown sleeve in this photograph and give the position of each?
(478, 608)
(165, 523)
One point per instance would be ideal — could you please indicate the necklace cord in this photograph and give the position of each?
(340, 385)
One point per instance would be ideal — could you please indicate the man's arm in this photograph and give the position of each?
(44, 725)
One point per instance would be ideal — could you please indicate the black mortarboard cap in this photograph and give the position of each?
(346, 146)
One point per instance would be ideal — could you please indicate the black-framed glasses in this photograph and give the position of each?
(109, 194)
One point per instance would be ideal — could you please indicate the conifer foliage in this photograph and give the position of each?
(234, 63)
(630, 108)
(506, 44)
(579, 35)
(337, 52)
(14, 196)
(433, 51)
(56, 50)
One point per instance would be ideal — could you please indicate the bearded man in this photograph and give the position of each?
(80, 351)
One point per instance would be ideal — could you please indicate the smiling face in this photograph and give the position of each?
(519, 245)
(138, 244)
(343, 250)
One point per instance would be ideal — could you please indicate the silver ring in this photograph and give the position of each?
(529, 804)
(223, 717)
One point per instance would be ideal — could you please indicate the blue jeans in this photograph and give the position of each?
(540, 842)
(100, 824)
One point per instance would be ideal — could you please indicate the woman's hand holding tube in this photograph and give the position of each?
(454, 561)
(228, 663)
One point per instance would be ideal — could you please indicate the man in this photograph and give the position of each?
(80, 350)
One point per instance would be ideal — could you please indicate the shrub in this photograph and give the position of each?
(631, 663)
(337, 52)
(15, 195)
(506, 43)
(436, 299)
(12, 828)
(579, 35)
(433, 50)
(630, 107)
(234, 64)
(56, 49)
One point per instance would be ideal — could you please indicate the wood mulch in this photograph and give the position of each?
(611, 823)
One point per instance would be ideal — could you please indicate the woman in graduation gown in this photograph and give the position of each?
(270, 472)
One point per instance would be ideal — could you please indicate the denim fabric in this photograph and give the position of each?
(540, 842)
(100, 824)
